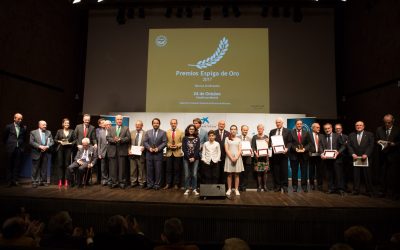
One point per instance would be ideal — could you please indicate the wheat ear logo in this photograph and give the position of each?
(216, 57)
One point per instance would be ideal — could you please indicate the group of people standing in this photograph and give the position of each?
(123, 158)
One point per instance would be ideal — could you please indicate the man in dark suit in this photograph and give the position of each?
(334, 168)
(40, 140)
(155, 140)
(14, 140)
(361, 145)
(315, 163)
(299, 155)
(347, 160)
(388, 140)
(118, 139)
(85, 159)
(221, 135)
(280, 161)
(138, 167)
(102, 145)
(85, 130)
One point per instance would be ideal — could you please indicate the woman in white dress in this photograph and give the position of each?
(233, 160)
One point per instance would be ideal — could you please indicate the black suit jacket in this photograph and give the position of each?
(305, 141)
(337, 144)
(61, 136)
(390, 151)
(312, 143)
(287, 137)
(10, 138)
(91, 134)
(120, 146)
(366, 146)
(221, 142)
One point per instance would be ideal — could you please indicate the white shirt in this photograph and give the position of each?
(211, 152)
(139, 136)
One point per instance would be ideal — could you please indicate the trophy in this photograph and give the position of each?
(300, 148)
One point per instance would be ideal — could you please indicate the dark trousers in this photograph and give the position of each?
(76, 172)
(174, 168)
(245, 176)
(14, 161)
(154, 169)
(334, 173)
(39, 169)
(316, 169)
(117, 169)
(64, 159)
(294, 165)
(211, 173)
(389, 173)
(367, 178)
(105, 167)
(221, 173)
(280, 170)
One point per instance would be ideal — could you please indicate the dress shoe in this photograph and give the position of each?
(319, 188)
(330, 191)
(133, 185)
(305, 190)
(342, 193)
(114, 185)
(149, 187)
(294, 189)
(157, 188)
(277, 189)
(142, 186)
(122, 186)
(45, 184)
(312, 187)
(176, 187)
(355, 192)
(258, 189)
(285, 189)
(166, 187)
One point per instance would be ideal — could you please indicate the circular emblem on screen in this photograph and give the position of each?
(161, 40)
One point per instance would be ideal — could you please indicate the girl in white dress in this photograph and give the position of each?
(233, 160)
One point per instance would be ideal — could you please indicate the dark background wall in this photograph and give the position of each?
(43, 48)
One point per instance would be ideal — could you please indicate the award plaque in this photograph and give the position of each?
(300, 148)
(359, 162)
(329, 154)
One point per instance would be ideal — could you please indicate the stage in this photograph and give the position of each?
(265, 218)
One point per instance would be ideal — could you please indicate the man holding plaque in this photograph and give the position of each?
(388, 140)
(118, 139)
(333, 147)
(315, 162)
(155, 141)
(247, 154)
(299, 155)
(137, 158)
(361, 146)
(279, 158)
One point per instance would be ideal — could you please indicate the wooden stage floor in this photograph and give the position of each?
(259, 218)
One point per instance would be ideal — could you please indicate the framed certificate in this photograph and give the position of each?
(262, 147)
(136, 150)
(278, 149)
(246, 148)
(359, 162)
(329, 154)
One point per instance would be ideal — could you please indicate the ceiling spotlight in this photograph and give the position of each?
(225, 11)
(141, 13)
(189, 12)
(76, 1)
(179, 12)
(168, 12)
(236, 11)
(207, 13)
(99, 1)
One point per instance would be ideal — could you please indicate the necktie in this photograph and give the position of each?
(387, 134)
(359, 138)
(329, 142)
(279, 131)
(84, 131)
(173, 134)
(316, 142)
(43, 135)
(17, 130)
(154, 136)
(137, 138)
(118, 130)
(243, 138)
(84, 156)
(299, 136)
(222, 135)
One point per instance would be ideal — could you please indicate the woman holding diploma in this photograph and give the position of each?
(233, 160)
(259, 143)
(64, 140)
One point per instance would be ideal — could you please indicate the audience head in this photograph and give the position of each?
(235, 244)
(173, 231)
(60, 223)
(13, 228)
(358, 237)
(117, 225)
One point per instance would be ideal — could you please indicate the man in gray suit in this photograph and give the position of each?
(84, 160)
(40, 140)
(102, 145)
(118, 139)
(137, 162)
(155, 140)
